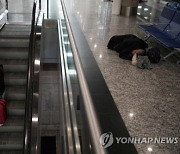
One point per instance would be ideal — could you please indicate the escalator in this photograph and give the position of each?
(14, 48)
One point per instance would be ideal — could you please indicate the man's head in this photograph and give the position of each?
(138, 51)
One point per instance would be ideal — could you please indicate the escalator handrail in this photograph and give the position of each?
(29, 91)
(7, 4)
(92, 120)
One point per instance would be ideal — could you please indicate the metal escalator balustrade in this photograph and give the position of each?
(71, 131)
(71, 135)
(31, 131)
(71, 62)
(82, 121)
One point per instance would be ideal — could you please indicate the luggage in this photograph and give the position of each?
(2, 85)
(154, 55)
(3, 111)
(143, 62)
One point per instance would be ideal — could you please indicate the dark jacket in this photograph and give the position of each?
(125, 44)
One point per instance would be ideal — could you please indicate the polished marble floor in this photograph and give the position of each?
(148, 100)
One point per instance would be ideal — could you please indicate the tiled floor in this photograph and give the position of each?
(148, 100)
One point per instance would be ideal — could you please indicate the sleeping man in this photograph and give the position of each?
(128, 46)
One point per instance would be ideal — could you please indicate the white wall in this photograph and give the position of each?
(2, 5)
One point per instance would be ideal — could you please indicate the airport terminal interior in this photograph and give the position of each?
(67, 93)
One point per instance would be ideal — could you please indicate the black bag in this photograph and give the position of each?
(2, 85)
(154, 55)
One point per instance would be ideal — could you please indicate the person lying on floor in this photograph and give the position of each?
(128, 46)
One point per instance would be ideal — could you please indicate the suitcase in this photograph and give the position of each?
(3, 111)
(2, 85)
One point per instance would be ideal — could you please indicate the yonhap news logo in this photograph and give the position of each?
(107, 139)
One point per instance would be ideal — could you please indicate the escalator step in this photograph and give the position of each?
(11, 151)
(15, 104)
(14, 42)
(15, 68)
(13, 49)
(17, 93)
(13, 55)
(16, 96)
(16, 89)
(15, 75)
(14, 121)
(15, 82)
(14, 34)
(15, 27)
(11, 129)
(14, 61)
(11, 138)
(11, 147)
(16, 112)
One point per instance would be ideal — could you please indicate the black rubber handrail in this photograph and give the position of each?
(7, 4)
(29, 91)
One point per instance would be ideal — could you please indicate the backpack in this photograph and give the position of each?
(143, 62)
(3, 111)
(154, 55)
